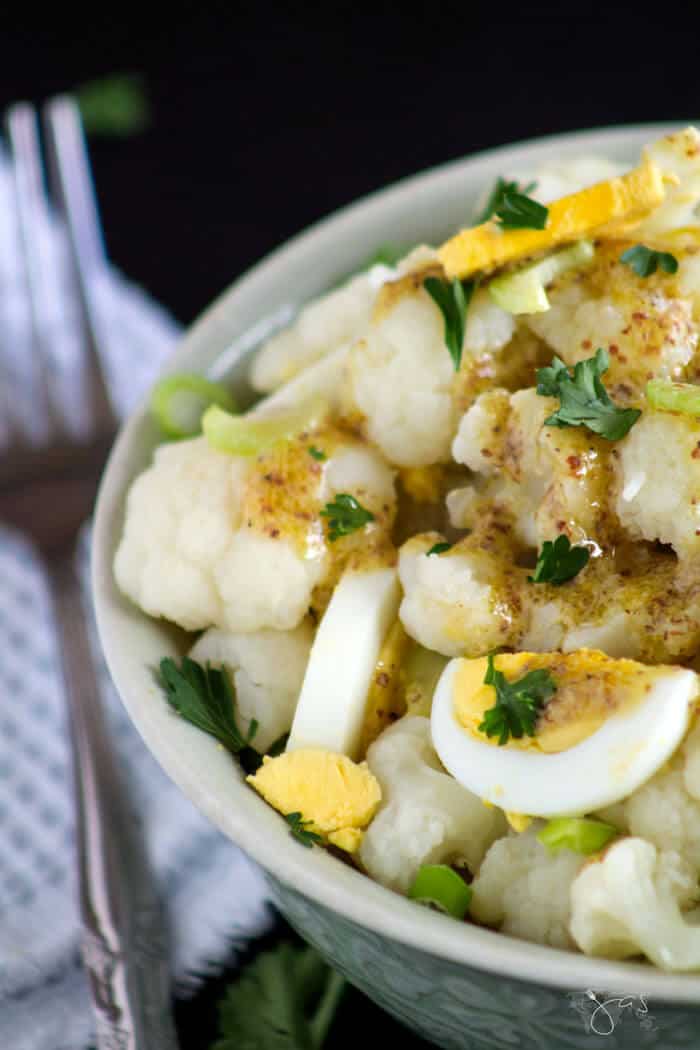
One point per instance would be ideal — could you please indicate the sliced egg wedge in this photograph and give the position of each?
(610, 725)
(601, 208)
(331, 708)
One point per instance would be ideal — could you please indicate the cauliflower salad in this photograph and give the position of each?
(442, 580)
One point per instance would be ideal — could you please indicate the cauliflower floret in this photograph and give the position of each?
(459, 603)
(323, 325)
(644, 323)
(677, 154)
(629, 903)
(658, 481)
(489, 328)
(400, 377)
(666, 810)
(549, 480)
(523, 889)
(216, 540)
(426, 817)
(180, 515)
(267, 668)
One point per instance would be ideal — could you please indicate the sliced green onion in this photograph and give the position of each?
(523, 291)
(251, 435)
(674, 397)
(438, 886)
(579, 834)
(179, 401)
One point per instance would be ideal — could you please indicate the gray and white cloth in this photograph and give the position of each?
(215, 897)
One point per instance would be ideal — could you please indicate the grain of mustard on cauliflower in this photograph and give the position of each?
(631, 901)
(212, 540)
(550, 480)
(523, 889)
(325, 324)
(267, 669)
(460, 603)
(657, 481)
(425, 817)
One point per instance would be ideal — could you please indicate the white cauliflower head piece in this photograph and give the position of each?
(522, 888)
(629, 902)
(657, 490)
(267, 669)
(426, 817)
(454, 603)
(325, 324)
(215, 540)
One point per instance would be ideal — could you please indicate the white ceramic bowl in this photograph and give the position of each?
(459, 985)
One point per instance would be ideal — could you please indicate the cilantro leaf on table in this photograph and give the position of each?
(115, 105)
(558, 561)
(645, 261)
(286, 999)
(584, 401)
(300, 830)
(517, 703)
(453, 299)
(345, 515)
(496, 197)
(205, 696)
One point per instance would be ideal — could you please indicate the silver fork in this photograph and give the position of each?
(48, 482)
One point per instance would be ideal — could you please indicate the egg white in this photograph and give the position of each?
(331, 708)
(619, 757)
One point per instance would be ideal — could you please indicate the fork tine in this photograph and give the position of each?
(72, 189)
(30, 389)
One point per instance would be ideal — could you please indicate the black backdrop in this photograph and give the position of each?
(268, 116)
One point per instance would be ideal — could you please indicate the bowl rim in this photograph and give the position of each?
(315, 874)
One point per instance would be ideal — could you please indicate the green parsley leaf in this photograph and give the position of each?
(517, 211)
(453, 298)
(500, 189)
(345, 515)
(439, 548)
(205, 696)
(558, 562)
(317, 453)
(645, 261)
(299, 829)
(115, 105)
(286, 999)
(517, 703)
(584, 401)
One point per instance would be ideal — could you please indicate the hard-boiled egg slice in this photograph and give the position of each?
(606, 730)
(331, 708)
(625, 199)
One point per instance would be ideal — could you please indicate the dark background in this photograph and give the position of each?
(268, 116)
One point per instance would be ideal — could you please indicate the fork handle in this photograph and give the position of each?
(124, 940)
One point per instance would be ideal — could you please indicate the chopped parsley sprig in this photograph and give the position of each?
(558, 561)
(517, 703)
(517, 211)
(439, 548)
(205, 696)
(584, 401)
(300, 829)
(345, 515)
(645, 261)
(501, 189)
(452, 298)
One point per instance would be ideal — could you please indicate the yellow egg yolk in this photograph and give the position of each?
(591, 687)
(338, 797)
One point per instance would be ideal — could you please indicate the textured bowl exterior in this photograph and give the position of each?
(456, 984)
